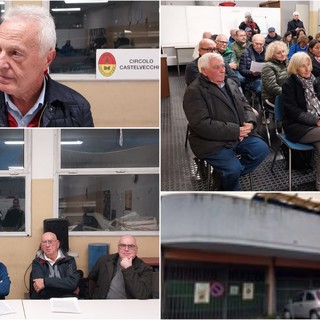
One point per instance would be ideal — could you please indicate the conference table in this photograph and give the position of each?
(88, 309)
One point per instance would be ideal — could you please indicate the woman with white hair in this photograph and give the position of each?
(300, 98)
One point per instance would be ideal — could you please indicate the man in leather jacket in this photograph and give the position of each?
(28, 96)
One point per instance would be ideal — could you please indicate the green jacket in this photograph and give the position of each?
(273, 75)
(228, 56)
(238, 49)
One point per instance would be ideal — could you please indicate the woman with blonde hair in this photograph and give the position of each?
(301, 104)
(273, 74)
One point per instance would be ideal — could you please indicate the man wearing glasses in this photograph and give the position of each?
(192, 71)
(54, 273)
(122, 275)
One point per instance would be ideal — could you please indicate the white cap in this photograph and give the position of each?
(247, 14)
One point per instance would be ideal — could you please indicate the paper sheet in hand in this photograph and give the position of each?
(64, 305)
(5, 309)
(256, 66)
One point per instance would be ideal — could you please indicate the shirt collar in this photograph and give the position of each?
(21, 120)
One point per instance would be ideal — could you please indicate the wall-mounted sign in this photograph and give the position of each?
(234, 290)
(201, 292)
(217, 289)
(247, 291)
(128, 64)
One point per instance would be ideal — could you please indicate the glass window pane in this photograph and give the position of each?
(109, 24)
(109, 148)
(111, 203)
(12, 203)
(11, 149)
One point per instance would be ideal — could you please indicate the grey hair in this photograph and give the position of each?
(47, 36)
(204, 61)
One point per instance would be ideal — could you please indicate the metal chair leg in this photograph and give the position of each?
(186, 140)
(290, 167)
(209, 175)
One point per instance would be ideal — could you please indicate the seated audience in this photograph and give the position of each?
(54, 273)
(314, 53)
(232, 37)
(301, 45)
(300, 94)
(274, 73)
(222, 123)
(122, 275)
(4, 281)
(249, 33)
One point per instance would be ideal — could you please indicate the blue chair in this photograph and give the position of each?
(278, 116)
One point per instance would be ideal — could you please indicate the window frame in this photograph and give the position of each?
(58, 171)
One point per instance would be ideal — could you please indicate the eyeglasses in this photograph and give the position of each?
(209, 49)
(49, 242)
(126, 246)
(223, 42)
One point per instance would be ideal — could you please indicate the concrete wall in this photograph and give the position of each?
(234, 222)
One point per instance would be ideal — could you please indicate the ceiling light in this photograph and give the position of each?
(84, 1)
(72, 142)
(65, 9)
(13, 142)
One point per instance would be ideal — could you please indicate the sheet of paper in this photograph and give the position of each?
(256, 66)
(65, 305)
(4, 308)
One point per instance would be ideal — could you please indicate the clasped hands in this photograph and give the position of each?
(245, 129)
(38, 284)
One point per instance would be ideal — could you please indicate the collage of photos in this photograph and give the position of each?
(159, 159)
(240, 138)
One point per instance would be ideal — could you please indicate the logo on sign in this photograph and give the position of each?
(107, 64)
(216, 289)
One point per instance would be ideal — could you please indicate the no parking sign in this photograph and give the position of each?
(217, 289)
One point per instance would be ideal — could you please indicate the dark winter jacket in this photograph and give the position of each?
(297, 121)
(213, 122)
(137, 278)
(55, 286)
(270, 39)
(245, 63)
(293, 25)
(315, 67)
(64, 107)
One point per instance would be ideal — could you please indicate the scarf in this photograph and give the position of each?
(313, 103)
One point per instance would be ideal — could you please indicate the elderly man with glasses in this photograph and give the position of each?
(122, 275)
(54, 273)
(192, 71)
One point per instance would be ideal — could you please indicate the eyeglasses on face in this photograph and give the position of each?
(209, 49)
(126, 246)
(49, 242)
(223, 42)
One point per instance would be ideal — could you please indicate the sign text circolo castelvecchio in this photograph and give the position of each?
(127, 64)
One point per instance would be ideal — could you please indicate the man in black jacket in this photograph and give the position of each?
(222, 123)
(28, 97)
(122, 275)
(54, 273)
(295, 24)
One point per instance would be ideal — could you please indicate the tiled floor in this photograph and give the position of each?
(179, 170)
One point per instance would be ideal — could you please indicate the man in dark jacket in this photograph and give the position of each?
(295, 24)
(54, 273)
(28, 97)
(122, 275)
(272, 36)
(192, 71)
(222, 123)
